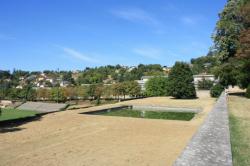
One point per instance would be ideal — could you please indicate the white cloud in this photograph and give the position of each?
(78, 55)
(152, 53)
(136, 15)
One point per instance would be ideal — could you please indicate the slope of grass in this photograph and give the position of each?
(9, 114)
(239, 120)
(150, 114)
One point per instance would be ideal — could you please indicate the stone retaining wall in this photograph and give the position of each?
(210, 145)
(165, 109)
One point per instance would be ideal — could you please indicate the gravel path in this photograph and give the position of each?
(211, 144)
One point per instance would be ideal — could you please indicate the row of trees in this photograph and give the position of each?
(179, 84)
(93, 91)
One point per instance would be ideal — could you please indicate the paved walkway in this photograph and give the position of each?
(42, 107)
(210, 146)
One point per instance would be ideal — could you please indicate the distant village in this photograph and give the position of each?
(49, 79)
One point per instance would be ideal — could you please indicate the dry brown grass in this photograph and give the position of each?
(69, 138)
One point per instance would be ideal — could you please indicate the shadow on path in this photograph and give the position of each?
(13, 125)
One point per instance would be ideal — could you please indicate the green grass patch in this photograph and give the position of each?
(240, 140)
(11, 114)
(149, 114)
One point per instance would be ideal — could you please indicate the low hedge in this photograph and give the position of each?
(216, 90)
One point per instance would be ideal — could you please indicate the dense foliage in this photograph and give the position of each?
(117, 73)
(229, 58)
(228, 30)
(232, 44)
(157, 86)
(181, 81)
(204, 64)
(216, 90)
(130, 88)
(61, 94)
(248, 92)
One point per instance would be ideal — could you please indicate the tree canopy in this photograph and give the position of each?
(157, 86)
(181, 81)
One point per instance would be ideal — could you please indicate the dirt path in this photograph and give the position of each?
(69, 138)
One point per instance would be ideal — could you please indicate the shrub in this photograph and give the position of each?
(216, 90)
(157, 86)
(181, 81)
(248, 92)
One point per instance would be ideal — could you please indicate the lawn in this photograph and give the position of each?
(9, 114)
(150, 114)
(240, 129)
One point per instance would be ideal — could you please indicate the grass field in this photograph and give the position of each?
(9, 114)
(149, 114)
(240, 130)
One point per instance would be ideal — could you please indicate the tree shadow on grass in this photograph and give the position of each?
(174, 98)
(240, 94)
(13, 125)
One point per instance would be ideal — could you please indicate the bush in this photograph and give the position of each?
(157, 86)
(181, 81)
(248, 92)
(216, 90)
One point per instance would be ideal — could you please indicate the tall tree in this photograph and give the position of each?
(181, 81)
(232, 43)
(227, 31)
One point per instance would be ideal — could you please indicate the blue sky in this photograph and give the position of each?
(74, 34)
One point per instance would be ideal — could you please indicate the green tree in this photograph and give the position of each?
(82, 92)
(216, 90)
(232, 43)
(95, 91)
(14, 93)
(132, 88)
(181, 81)
(5, 88)
(157, 86)
(119, 90)
(228, 74)
(228, 28)
(67, 76)
(248, 92)
(204, 64)
(57, 94)
(244, 74)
